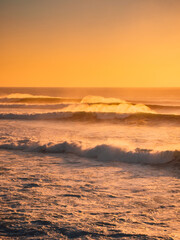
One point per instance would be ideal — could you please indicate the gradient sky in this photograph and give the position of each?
(90, 43)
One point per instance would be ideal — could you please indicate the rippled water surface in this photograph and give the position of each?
(63, 196)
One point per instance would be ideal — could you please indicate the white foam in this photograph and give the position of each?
(99, 99)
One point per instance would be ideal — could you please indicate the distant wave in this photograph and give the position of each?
(101, 100)
(39, 99)
(89, 108)
(28, 99)
(142, 118)
(19, 99)
(104, 153)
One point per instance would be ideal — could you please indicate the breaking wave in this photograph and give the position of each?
(101, 100)
(104, 153)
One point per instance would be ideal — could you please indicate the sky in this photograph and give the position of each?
(90, 43)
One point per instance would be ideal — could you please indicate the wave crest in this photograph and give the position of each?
(103, 108)
(41, 99)
(99, 99)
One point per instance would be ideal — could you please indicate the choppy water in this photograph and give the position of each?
(90, 163)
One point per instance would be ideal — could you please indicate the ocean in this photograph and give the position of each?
(90, 163)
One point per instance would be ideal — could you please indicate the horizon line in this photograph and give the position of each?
(80, 87)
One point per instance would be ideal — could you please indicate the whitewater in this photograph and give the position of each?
(89, 163)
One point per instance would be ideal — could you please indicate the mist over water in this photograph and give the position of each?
(90, 154)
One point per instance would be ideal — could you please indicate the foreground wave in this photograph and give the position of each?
(104, 153)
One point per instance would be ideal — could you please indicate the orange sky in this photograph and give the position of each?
(92, 43)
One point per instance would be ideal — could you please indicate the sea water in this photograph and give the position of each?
(89, 163)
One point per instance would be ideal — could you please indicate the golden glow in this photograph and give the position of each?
(138, 46)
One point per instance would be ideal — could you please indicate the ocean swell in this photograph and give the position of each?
(35, 99)
(95, 117)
